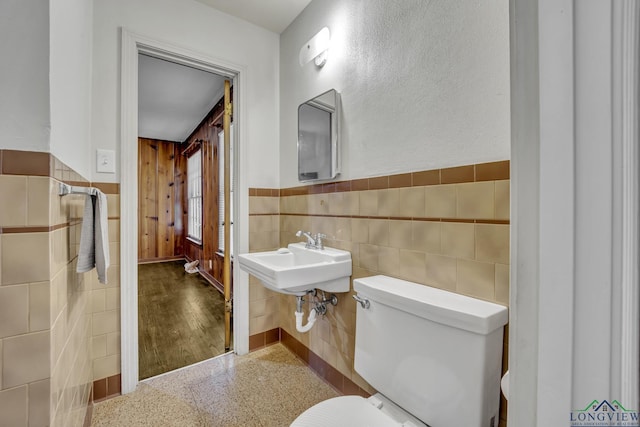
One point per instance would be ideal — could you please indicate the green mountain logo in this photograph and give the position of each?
(617, 404)
(605, 405)
(604, 413)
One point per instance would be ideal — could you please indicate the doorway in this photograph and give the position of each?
(132, 45)
(182, 315)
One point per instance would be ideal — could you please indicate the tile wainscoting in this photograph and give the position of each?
(447, 228)
(46, 308)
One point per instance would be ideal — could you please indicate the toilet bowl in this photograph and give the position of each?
(355, 411)
(434, 357)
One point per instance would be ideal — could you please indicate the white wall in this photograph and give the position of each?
(424, 84)
(24, 75)
(190, 25)
(71, 24)
(45, 79)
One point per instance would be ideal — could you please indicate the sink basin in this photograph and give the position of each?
(295, 269)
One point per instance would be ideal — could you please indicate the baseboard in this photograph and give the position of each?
(106, 388)
(212, 281)
(163, 259)
(263, 339)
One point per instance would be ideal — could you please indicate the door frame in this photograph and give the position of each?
(547, 78)
(133, 44)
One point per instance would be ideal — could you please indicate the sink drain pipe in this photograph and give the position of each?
(299, 313)
(320, 307)
(310, 321)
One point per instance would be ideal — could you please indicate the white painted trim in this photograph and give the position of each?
(241, 213)
(556, 204)
(575, 233)
(630, 320)
(128, 220)
(132, 44)
(525, 141)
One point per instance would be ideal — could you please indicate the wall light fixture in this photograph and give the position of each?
(316, 48)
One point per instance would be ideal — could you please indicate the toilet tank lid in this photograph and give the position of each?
(437, 305)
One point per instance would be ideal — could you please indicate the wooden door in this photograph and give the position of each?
(226, 126)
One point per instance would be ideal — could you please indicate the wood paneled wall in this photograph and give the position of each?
(161, 200)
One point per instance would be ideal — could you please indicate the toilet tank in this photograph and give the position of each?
(436, 354)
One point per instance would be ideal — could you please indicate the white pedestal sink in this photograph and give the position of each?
(295, 270)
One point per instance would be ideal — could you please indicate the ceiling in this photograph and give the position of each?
(173, 99)
(274, 15)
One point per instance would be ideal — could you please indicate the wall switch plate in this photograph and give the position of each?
(106, 161)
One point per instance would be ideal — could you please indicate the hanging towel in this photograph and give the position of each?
(94, 237)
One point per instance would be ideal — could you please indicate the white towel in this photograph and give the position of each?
(94, 237)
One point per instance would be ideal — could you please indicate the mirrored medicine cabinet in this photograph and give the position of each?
(318, 137)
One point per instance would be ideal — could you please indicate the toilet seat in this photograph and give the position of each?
(351, 411)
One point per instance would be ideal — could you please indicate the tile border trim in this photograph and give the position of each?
(43, 228)
(401, 218)
(44, 164)
(395, 218)
(264, 192)
(492, 171)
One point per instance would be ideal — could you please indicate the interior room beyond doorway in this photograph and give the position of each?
(181, 306)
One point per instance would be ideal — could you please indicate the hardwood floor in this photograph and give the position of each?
(180, 318)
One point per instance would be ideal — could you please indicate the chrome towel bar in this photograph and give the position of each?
(65, 189)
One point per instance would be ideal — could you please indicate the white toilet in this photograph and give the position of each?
(434, 357)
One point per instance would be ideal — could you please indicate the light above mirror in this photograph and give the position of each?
(316, 48)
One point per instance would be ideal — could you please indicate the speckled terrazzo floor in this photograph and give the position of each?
(267, 388)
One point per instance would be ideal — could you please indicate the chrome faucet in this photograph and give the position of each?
(313, 241)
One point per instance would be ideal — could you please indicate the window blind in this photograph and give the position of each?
(194, 192)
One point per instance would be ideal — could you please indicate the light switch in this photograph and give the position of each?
(106, 161)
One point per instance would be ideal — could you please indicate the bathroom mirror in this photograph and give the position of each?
(318, 134)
